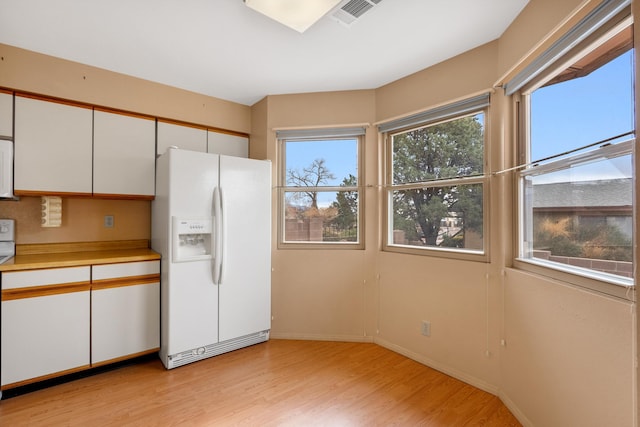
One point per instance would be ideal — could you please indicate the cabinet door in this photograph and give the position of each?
(125, 311)
(44, 324)
(183, 137)
(52, 147)
(124, 155)
(6, 115)
(125, 322)
(228, 145)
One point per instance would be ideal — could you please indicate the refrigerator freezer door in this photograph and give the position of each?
(193, 305)
(245, 289)
(189, 300)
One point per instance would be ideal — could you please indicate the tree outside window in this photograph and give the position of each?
(320, 191)
(436, 193)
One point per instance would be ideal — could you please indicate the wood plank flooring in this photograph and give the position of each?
(278, 383)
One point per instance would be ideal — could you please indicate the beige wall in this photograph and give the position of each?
(322, 294)
(23, 70)
(470, 73)
(569, 354)
(26, 71)
(556, 354)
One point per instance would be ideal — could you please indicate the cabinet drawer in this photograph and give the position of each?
(126, 269)
(53, 276)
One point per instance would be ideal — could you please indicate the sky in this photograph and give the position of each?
(340, 158)
(583, 111)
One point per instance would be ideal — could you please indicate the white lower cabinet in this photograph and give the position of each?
(45, 324)
(62, 320)
(125, 311)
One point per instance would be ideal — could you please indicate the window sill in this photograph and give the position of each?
(322, 246)
(460, 254)
(604, 283)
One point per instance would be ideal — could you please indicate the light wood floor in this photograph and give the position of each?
(281, 382)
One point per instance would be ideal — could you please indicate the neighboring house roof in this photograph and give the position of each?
(584, 194)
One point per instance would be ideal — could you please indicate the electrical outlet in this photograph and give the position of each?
(425, 328)
(108, 221)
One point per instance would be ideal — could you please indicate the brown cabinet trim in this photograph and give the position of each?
(45, 377)
(120, 282)
(43, 291)
(38, 193)
(122, 358)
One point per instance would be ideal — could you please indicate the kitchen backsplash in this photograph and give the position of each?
(83, 220)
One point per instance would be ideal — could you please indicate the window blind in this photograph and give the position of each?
(598, 17)
(320, 133)
(436, 114)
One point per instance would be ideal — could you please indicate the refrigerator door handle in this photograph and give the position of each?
(219, 237)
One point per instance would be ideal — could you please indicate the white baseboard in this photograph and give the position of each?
(464, 377)
(515, 410)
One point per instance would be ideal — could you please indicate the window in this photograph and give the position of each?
(576, 186)
(436, 183)
(320, 191)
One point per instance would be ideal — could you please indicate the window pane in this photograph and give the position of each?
(445, 150)
(582, 216)
(577, 211)
(446, 217)
(321, 216)
(314, 163)
(573, 113)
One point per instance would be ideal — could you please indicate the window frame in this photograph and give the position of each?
(468, 107)
(613, 285)
(318, 135)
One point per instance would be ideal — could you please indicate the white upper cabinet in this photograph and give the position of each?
(53, 151)
(123, 155)
(6, 115)
(229, 145)
(183, 137)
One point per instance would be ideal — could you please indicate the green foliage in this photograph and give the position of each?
(456, 241)
(596, 241)
(446, 150)
(346, 205)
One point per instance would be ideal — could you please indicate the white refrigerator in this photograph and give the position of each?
(211, 221)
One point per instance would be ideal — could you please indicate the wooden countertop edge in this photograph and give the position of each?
(109, 254)
(51, 248)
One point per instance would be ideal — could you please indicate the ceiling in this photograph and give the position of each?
(224, 49)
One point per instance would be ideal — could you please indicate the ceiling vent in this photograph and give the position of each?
(350, 10)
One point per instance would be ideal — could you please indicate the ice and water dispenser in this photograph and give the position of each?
(192, 239)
